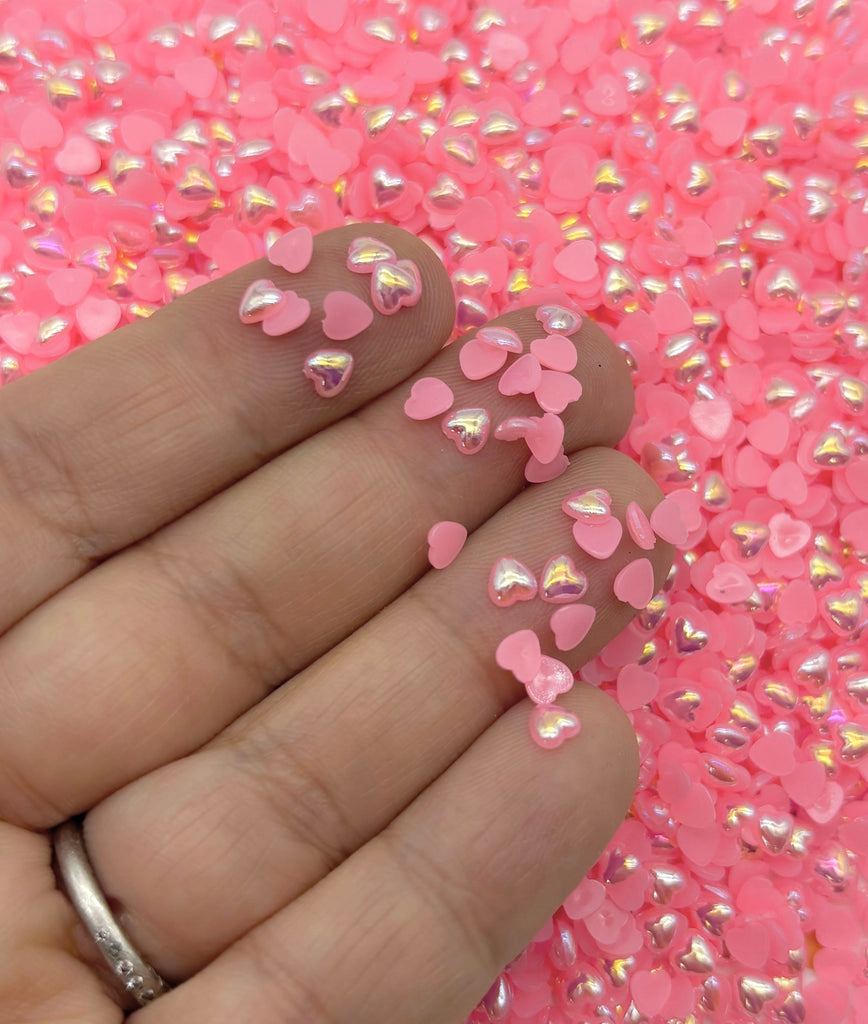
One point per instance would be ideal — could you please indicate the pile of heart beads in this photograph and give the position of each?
(395, 284)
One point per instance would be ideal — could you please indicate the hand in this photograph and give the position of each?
(311, 791)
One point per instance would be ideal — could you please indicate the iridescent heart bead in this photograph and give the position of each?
(551, 725)
(329, 371)
(261, 297)
(365, 253)
(590, 506)
(557, 320)
(510, 581)
(561, 582)
(502, 338)
(395, 286)
(468, 428)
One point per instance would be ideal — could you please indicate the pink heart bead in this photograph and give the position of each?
(551, 726)
(291, 315)
(520, 654)
(501, 337)
(571, 624)
(292, 251)
(667, 521)
(561, 581)
(329, 371)
(366, 252)
(578, 261)
(429, 397)
(261, 297)
(634, 584)
(787, 536)
(20, 330)
(712, 418)
(97, 317)
(510, 581)
(445, 541)
(555, 352)
(558, 320)
(636, 687)
(522, 378)
(479, 360)
(546, 442)
(516, 428)
(70, 284)
(468, 428)
(650, 990)
(591, 506)
(729, 584)
(346, 315)
(639, 527)
(599, 541)
(535, 472)
(556, 390)
(552, 679)
(395, 286)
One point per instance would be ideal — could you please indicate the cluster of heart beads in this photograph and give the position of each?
(395, 284)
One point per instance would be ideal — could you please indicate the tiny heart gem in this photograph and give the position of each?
(551, 725)
(557, 320)
(429, 397)
(634, 584)
(571, 624)
(346, 315)
(292, 251)
(365, 253)
(287, 317)
(520, 654)
(468, 428)
(555, 352)
(501, 337)
(599, 541)
(511, 581)
(329, 371)
(522, 378)
(561, 582)
(395, 285)
(262, 296)
(552, 679)
(445, 541)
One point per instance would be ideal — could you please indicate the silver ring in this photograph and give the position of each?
(134, 976)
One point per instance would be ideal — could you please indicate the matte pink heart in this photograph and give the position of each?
(546, 442)
(445, 541)
(787, 536)
(634, 584)
(555, 352)
(346, 315)
(291, 314)
(70, 284)
(578, 261)
(537, 473)
(556, 390)
(667, 521)
(571, 624)
(97, 317)
(712, 418)
(429, 397)
(550, 725)
(479, 360)
(636, 687)
(552, 679)
(293, 251)
(520, 654)
(19, 331)
(639, 527)
(599, 541)
(522, 378)
(650, 990)
(729, 584)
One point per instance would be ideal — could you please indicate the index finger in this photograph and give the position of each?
(124, 435)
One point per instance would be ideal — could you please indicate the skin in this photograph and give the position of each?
(222, 640)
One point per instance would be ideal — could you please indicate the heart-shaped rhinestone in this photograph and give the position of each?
(591, 506)
(395, 285)
(329, 370)
(365, 253)
(551, 725)
(511, 581)
(557, 320)
(468, 428)
(561, 582)
(261, 297)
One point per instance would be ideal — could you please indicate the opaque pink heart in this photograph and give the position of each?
(729, 584)
(650, 990)
(293, 251)
(429, 397)
(636, 687)
(598, 541)
(552, 679)
(639, 527)
(571, 624)
(70, 284)
(445, 541)
(556, 390)
(787, 536)
(522, 378)
(578, 261)
(346, 315)
(667, 521)
(97, 317)
(546, 441)
(19, 330)
(520, 654)
(712, 418)
(634, 584)
(287, 317)
(555, 352)
(479, 360)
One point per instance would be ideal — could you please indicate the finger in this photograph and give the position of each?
(425, 915)
(181, 405)
(171, 640)
(315, 771)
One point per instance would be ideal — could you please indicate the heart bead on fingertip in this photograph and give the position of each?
(551, 726)
(261, 297)
(329, 371)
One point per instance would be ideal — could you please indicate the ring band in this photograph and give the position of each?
(134, 976)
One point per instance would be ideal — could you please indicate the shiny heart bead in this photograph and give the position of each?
(395, 286)
(591, 506)
(550, 725)
(561, 582)
(365, 253)
(552, 679)
(262, 296)
(557, 320)
(511, 581)
(329, 371)
(468, 428)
